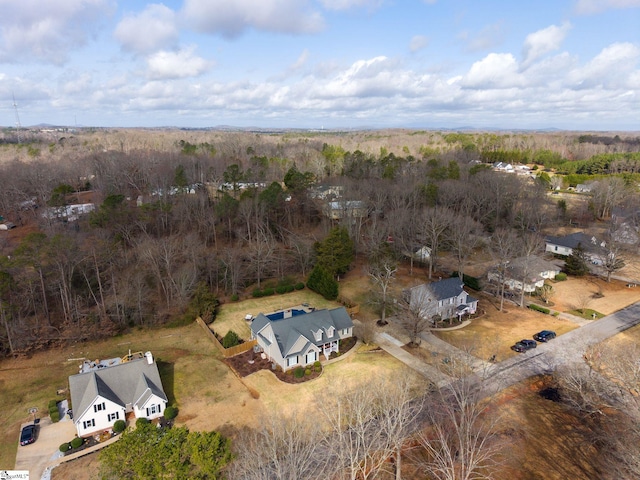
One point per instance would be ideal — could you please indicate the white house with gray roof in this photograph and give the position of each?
(295, 336)
(104, 395)
(445, 298)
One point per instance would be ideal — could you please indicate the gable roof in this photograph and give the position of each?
(533, 265)
(287, 331)
(131, 382)
(589, 242)
(442, 289)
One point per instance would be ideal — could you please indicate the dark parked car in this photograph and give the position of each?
(544, 336)
(28, 434)
(524, 345)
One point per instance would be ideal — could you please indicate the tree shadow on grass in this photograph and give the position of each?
(167, 374)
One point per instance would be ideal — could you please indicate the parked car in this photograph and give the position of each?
(28, 434)
(544, 336)
(524, 345)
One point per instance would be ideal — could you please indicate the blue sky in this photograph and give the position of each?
(570, 64)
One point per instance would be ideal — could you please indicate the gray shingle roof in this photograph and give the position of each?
(588, 242)
(443, 289)
(288, 331)
(127, 383)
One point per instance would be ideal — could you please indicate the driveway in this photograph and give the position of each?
(568, 348)
(36, 457)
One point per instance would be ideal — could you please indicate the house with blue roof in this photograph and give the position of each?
(106, 394)
(297, 337)
(444, 298)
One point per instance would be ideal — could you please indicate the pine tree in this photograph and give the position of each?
(576, 263)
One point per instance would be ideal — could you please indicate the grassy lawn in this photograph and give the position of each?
(231, 315)
(354, 369)
(495, 332)
(181, 354)
(586, 313)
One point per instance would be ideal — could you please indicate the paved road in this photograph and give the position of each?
(563, 350)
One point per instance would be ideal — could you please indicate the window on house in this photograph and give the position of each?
(98, 407)
(556, 248)
(292, 361)
(89, 423)
(330, 332)
(153, 409)
(112, 416)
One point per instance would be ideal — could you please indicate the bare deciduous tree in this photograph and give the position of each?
(460, 439)
(282, 448)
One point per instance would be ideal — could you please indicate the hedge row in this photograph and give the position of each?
(538, 308)
(280, 289)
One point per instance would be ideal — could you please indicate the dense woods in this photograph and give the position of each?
(184, 219)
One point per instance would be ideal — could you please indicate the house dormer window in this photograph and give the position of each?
(318, 335)
(330, 332)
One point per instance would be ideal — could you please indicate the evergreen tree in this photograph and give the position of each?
(576, 263)
(322, 282)
(336, 252)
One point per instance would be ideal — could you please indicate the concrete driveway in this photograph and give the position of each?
(38, 455)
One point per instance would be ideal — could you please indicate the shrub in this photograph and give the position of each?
(76, 442)
(257, 293)
(298, 372)
(299, 286)
(317, 364)
(53, 405)
(267, 292)
(307, 371)
(561, 277)
(170, 412)
(64, 447)
(119, 426)
(538, 308)
(141, 421)
(55, 416)
(322, 282)
(231, 339)
(235, 297)
(281, 289)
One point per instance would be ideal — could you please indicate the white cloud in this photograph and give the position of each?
(150, 30)
(496, 70)
(543, 41)
(300, 62)
(418, 42)
(181, 64)
(612, 67)
(230, 19)
(45, 29)
(589, 7)
(347, 4)
(490, 36)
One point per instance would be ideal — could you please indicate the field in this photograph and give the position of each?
(210, 396)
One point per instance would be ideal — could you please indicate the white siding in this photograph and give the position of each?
(99, 415)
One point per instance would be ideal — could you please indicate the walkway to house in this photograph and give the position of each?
(46, 475)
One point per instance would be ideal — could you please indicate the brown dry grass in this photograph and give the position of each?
(575, 292)
(493, 332)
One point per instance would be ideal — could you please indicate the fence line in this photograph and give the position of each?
(226, 352)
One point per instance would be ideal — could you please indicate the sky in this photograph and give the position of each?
(322, 64)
